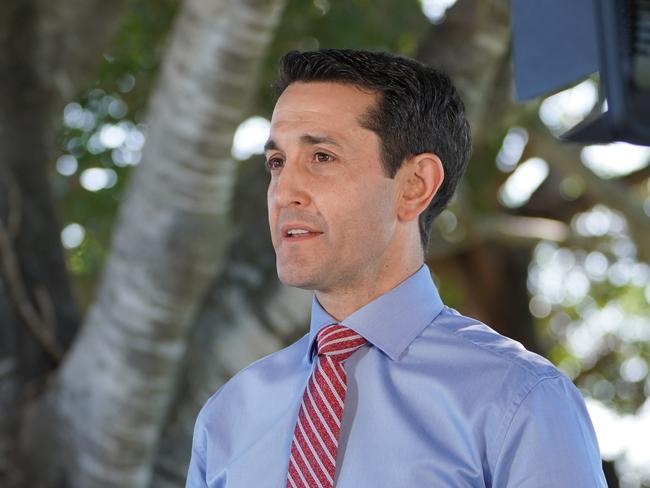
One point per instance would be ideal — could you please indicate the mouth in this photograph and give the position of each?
(301, 237)
(298, 233)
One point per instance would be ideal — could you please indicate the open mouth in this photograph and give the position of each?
(297, 234)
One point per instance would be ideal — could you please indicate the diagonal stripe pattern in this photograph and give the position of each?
(315, 438)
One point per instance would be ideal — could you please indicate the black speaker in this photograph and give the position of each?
(558, 42)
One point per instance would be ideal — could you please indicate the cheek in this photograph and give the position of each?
(369, 210)
(272, 214)
(269, 195)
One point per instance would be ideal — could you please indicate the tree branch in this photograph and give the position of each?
(7, 366)
(638, 176)
(72, 37)
(41, 325)
(566, 159)
(509, 230)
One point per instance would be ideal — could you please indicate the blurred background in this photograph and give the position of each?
(136, 269)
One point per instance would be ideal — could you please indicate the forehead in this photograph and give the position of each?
(336, 106)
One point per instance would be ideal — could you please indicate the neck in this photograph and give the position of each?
(341, 303)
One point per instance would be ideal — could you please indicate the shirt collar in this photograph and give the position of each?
(393, 320)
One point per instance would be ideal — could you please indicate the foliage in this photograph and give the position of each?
(106, 128)
(117, 98)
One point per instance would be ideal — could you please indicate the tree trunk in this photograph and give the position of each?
(247, 315)
(38, 315)
(472, 46)
(114, 388)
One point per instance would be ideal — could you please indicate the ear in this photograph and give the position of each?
(420, 179)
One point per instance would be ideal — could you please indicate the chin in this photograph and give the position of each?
(297, 278)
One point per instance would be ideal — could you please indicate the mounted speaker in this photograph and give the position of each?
(558, 42)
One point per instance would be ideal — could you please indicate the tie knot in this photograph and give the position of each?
(338, 342)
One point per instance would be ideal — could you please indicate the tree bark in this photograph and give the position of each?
(247, 315)
(38, 313)
(167, 246)
(73, 35)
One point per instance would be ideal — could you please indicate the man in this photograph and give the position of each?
(390, 388)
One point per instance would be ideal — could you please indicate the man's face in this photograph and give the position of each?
(327, 179)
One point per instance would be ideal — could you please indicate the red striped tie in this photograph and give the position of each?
(316, 436)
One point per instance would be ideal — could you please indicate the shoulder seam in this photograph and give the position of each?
(549, 371)
(517, 406)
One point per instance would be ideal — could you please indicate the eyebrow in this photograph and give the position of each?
(306, 139)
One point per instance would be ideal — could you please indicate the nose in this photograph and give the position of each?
(289, 188)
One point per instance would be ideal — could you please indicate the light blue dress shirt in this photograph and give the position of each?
(435, 399)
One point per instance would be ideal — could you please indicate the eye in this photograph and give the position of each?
(273, 163)
(322, 157)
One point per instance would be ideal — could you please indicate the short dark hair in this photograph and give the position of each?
(418, 110)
